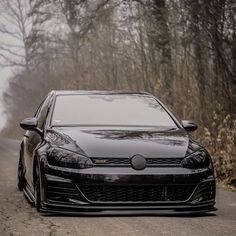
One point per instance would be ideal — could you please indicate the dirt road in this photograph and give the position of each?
(17, 217)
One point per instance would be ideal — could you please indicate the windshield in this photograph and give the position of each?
(109, 110)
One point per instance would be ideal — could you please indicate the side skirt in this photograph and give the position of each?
(29, 195)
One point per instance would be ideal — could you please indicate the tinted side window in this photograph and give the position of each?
(42, 112)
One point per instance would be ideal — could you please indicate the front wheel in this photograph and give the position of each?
(20, 175)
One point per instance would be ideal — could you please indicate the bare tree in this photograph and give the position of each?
(14, 31)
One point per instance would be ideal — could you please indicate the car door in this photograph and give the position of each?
(32, 140)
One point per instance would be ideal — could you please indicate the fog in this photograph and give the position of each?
(4, 77)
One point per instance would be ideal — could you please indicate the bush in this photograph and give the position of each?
(220, 140)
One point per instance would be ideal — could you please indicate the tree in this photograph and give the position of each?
(14, 30)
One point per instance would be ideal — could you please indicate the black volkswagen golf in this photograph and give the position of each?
(109, 152)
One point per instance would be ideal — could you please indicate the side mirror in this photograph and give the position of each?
(31, 123)
(190, 126)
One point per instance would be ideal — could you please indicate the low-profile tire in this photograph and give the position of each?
(20, 175)
(37, 189)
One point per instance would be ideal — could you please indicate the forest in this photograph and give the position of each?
(182, 51)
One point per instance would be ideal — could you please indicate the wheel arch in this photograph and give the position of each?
(39, 160)
(21, 153)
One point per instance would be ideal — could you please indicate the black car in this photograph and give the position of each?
(102, 152)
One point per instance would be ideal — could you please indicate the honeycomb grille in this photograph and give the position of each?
(126, 161)
(137, 193)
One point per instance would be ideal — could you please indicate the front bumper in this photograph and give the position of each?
(102, 190)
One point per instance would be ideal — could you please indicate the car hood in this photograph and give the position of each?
(120, 142)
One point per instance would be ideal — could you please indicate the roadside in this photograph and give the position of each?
(226, 186)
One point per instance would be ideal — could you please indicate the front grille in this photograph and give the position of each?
(111, 161)
(151, 162)
(155, 193)
(164, 161)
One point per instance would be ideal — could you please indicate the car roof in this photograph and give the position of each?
(102, 92)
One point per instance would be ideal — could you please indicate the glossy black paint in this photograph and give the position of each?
(136, 145)
(144, 141)
(189, 125)
(31, 123)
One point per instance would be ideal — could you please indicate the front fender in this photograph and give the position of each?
(39, 161)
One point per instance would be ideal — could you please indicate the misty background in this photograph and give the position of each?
(182, 51)
(4, 76)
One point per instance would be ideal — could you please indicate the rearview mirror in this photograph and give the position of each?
(189, 125)
(31, 123)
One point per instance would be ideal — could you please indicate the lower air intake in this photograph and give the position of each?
(137, 193)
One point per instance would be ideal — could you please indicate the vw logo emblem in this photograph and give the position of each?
(138, 162)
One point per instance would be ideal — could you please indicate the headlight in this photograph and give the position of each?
(65, 158)
(196, 160)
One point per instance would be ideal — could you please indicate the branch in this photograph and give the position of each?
(11, 52)
(4, 30)
(12, 46)
(10, 62)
